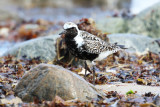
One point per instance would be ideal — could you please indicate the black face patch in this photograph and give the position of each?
(69, 29)
(71, 33)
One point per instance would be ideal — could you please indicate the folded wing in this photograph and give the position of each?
(93, 44)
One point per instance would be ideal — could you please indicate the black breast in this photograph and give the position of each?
(72, 46)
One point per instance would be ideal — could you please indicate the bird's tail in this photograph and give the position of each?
(121, 46)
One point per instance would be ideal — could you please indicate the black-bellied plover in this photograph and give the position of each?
(86, 46)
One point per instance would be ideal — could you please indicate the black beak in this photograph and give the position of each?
(63, 32)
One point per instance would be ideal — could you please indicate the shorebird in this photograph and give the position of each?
(86, 46)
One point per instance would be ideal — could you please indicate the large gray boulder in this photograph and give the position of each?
(46, 81)
(112, 25)
(147, 22)
(43, 47)
(136, 43)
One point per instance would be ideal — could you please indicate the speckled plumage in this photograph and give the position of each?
(87, 46)
(94, 44)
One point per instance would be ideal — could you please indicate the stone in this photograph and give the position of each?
(43, 47)
(136, 43)
(147, 22)
(47, 81)
(112, 25)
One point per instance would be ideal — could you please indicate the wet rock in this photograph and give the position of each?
(136, 43)
(112, 25)
(44, 82)
(43, 47)
(147, 22)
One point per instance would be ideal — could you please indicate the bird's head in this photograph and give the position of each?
(69, 26)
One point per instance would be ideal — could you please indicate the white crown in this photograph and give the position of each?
(68, 25)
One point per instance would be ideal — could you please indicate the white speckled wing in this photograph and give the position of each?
(95, 47)
(89, 36)
(93, 44)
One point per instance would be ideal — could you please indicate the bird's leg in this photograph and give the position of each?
(93, 75)
(86, 68)
(93, 72)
